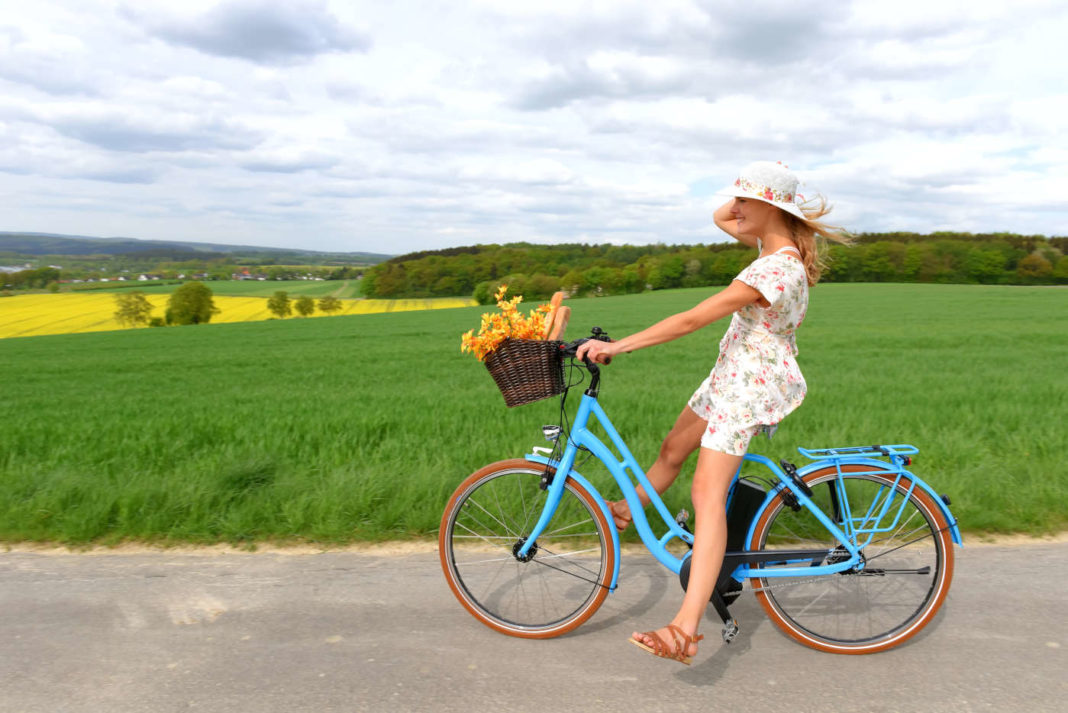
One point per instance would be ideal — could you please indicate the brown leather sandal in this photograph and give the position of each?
(661, 648)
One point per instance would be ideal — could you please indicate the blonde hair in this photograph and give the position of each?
(811, 235)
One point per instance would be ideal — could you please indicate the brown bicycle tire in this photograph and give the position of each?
(471, 603)
(944, 542)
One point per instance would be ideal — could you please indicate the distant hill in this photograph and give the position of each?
(57, 244)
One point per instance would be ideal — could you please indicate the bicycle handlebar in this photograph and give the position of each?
(597, 333)
(571, 348)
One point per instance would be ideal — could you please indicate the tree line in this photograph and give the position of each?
(194, 303)
(50, 277)
(537, 271)
(30, 278)
(281, 305)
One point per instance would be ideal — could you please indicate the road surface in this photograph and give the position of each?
(287, 631)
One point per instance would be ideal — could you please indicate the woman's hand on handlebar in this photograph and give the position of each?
(597, 351)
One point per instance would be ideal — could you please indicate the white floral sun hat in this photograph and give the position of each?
(770, 182)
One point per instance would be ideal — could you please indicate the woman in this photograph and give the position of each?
(755, 382)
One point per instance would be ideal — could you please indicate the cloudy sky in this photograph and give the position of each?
(395, 126)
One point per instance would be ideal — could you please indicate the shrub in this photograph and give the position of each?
(191, 303)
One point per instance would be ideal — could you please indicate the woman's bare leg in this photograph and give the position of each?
(711, 481)
(683, 439)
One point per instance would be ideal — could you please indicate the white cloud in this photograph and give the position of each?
(268, 31)
(392, 127)
(288, 160)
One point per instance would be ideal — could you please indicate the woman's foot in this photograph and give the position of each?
(620, 514)
(671, 642)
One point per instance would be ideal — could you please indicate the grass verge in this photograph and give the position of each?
(357, 429)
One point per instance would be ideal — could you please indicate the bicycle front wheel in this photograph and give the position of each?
(566, 574)
(906, 567)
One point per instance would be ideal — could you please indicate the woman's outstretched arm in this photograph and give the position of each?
(729, 300)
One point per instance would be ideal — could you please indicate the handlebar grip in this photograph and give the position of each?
(570, 348)
(587, 362)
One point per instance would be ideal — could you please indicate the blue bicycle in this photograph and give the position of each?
(850, 553)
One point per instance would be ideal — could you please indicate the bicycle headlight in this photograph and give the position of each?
(551, 432)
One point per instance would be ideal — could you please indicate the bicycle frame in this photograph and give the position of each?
(626, 471)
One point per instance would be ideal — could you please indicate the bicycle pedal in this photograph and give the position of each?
(680, 520)
(730, 630)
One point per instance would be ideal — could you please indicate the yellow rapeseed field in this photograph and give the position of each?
(65, 313)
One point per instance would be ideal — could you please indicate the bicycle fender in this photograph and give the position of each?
(574, 475)
(875, 464)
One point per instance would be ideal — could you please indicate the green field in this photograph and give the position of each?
(358, 428)
(342, 289)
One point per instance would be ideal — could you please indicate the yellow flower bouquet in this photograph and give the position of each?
(509, 323)
(516, 348)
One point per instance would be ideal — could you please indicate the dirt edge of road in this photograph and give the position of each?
(393, 548)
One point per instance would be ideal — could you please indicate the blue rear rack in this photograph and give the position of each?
(858, 452)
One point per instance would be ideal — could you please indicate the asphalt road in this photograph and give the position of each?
(349, 631)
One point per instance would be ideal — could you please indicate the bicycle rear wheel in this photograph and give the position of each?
(568, 571)
(906, 570)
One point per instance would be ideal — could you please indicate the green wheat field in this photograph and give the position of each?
(345, 289)
(357, 429)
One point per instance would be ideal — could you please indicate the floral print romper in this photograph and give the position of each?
(756, 381)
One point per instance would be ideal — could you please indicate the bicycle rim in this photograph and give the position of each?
(906, 574)
(559, 587)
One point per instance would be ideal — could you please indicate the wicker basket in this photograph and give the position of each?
(527, 370)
